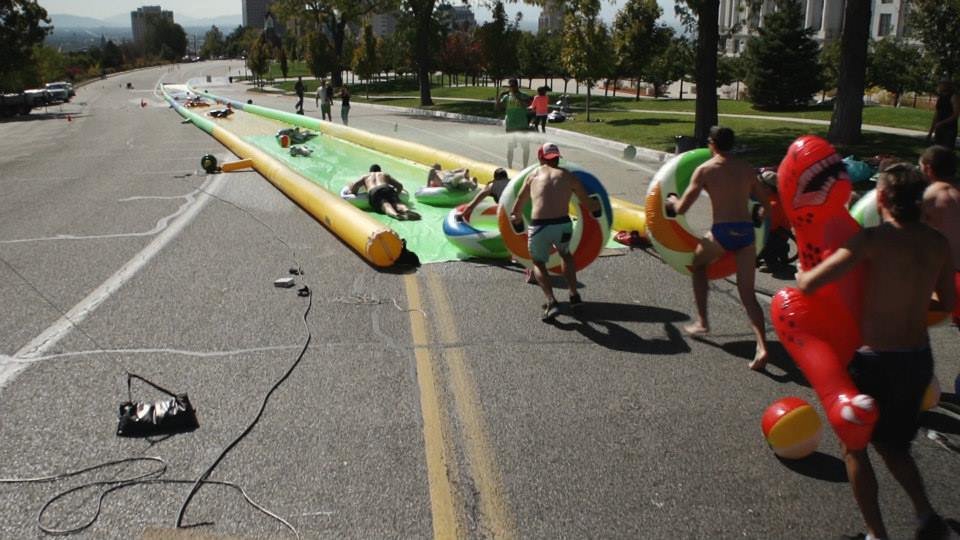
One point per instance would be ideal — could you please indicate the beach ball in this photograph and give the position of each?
(792, 428)
(284, 141)
(931, 398)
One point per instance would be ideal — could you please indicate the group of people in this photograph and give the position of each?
(523, 113)
(912, 265)
(324, 100)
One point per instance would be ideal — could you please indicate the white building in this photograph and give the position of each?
(824, 17)
(551, 18)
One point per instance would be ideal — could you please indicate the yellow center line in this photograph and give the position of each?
(492, 497)
(445, 522)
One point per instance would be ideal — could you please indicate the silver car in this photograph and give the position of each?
(60, 91)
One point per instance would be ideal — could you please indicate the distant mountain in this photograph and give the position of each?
(62, 21)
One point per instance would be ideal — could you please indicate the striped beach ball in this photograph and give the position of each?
(792, 428)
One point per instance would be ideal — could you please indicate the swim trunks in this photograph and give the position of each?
(546, 233)
(382, 194)
(897, 380)
(733, 235)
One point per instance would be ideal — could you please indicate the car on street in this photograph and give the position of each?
(61, 91)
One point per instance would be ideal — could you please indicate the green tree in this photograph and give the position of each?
(847, 118)
(282, 58)
(890, 66)
(936, 23)
(161, 31)
(501, 60)
(366, 58)
(213, 43)
(320, 57)
(781, 61)
(637, 38)
(830, 62)
(704, 17)
(50, 64)
(532, 55)
(585, 52)
(111, 56)
(730, 70)
(20, 31)
(333, 18)
(258, 58)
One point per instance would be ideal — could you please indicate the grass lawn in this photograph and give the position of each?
(762, 142)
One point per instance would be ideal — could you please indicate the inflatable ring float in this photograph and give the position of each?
(441, 196)
(362, 200)
(865, 210)
(671, 236)
(867, 214)
(476, 235)
(590, 231)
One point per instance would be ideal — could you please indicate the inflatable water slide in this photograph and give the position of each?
(323, 157)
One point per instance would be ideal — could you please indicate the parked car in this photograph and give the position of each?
(22, 102)
(61, 91)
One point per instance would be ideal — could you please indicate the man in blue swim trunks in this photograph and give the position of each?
(730, 182)
(549, 189)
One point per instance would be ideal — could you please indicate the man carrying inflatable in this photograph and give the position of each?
(730, 183)
(906, 261)
(549, 190)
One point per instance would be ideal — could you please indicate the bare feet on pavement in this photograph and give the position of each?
(696, 329)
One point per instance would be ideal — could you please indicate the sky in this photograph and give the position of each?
(212, 8)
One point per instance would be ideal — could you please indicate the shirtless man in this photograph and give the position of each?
(384, 193)
(491, 189)
(941, 203)
(549, 188)
(452, 179)
(729, 182)
(906, 262)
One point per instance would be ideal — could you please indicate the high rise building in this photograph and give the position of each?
(551, 18)
(255, 13)
(457, 17)
(824, 17)
(139, 18)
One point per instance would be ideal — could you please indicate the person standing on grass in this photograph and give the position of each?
(730, 182)
(299, 89)
(515, 120)
(943, 129)
(344, 104)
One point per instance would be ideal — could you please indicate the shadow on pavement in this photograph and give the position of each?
(594, 321)
(36, 117)
(778, 358)
(940, 422)
(818, 466)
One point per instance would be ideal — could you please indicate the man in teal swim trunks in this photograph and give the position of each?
(515, 121)
(549, 189)
(730, 182)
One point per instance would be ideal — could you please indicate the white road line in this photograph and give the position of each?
(62, 327)
(175, 352)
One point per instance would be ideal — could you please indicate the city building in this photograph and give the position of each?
(255, 13)
(139, 18)
(458, 17)
(551, 18)
(824, 17)
(384, 24)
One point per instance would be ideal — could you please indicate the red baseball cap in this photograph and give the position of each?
(548, 151)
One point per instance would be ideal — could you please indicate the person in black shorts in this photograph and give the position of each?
(905, 261)
(383, 192)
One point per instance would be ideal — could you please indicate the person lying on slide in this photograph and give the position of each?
(384, 194)
(453, 179)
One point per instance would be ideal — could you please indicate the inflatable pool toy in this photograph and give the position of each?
(590, 231)
(671, 236)
(821, 331)
(362, 200)
(865, 210)
(476, 235)
(442, 196)
(792, 428)
(931, 397)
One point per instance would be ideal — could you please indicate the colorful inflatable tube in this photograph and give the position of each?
(671, 236)
(478, 234)
(821, 331)
(371, 239)
(443, 196)
(590, 231)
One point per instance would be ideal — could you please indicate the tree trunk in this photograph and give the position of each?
(637, 98)
(680, 95)
(615, 87)
(565, 83)
(847, 116)
(424, 21)
(708, 34)
(588, 99)
(337, 30)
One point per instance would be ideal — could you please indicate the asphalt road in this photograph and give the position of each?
(427, 404)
